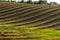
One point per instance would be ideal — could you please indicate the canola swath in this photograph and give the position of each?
(28, 15)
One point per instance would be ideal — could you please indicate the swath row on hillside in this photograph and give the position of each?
(28, 15)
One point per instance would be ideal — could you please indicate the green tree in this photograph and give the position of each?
(29, 1)
(40, 2)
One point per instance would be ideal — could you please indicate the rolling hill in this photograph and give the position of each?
(25, 16)
(20, 14)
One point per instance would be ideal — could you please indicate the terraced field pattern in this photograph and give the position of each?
(21, 21)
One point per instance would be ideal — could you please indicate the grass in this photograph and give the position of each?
(43, 33)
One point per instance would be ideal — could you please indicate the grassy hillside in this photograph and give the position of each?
(29, 33)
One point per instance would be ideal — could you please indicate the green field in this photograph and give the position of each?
(35, 34)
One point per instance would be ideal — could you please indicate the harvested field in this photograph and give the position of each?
(35, 18)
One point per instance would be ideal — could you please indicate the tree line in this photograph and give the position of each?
(35, 2)
(29, 1)
(39, 2)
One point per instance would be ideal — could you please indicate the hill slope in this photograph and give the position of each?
(19, 21)
(28, 15)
